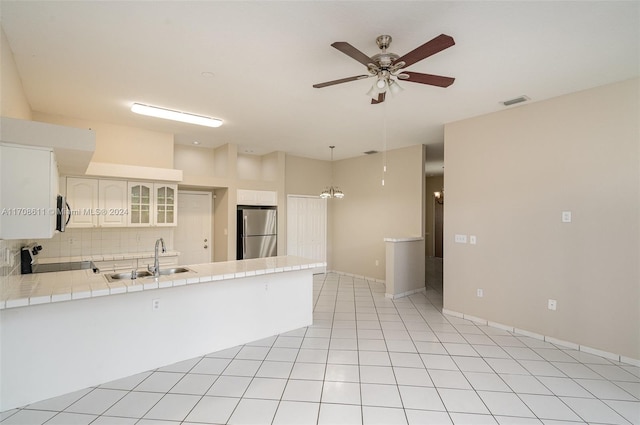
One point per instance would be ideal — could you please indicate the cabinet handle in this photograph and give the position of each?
(205, 247)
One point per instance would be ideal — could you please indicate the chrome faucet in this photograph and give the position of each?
(156, 262)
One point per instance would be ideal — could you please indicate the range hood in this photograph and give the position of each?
(73, 147)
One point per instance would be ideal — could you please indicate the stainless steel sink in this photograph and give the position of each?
(174, 270)
(144, 274)
(127, 275)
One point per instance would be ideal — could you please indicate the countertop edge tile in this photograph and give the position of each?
(42, 299)
(78, 284)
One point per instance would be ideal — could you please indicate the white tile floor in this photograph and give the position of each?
(366, 360)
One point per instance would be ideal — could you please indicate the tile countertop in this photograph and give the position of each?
(42, 288)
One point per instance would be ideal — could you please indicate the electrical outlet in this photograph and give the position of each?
(155, 304)
(552, 304)
(566, 216)
(480, 293)
(461, 238)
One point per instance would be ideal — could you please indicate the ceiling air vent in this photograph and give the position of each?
(370, 152)
(516, 100)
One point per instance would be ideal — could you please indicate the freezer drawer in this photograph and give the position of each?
(259, 246)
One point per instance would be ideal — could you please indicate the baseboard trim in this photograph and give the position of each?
(549, 339)
(405, 294)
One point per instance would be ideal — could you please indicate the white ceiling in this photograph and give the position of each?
(92, 59)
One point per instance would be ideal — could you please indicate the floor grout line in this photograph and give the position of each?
(344, 305)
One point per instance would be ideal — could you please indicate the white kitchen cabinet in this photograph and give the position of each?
(82, 197)
(257, 197)
(140, 201)
(97, 203)
(112, 203)
(28, 192)
(166, 204)
(152, 204)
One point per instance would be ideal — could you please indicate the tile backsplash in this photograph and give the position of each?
(95, 241)
(10, 257)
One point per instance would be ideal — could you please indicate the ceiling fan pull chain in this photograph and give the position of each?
(384, 142)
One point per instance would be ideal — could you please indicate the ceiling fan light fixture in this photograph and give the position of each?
(394, 87)
(373, 92)
(169, 114)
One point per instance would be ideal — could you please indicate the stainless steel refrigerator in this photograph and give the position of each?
(257, 232)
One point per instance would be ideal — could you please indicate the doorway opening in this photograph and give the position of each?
(434, 233)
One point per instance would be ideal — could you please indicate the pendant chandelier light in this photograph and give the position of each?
(332, 191)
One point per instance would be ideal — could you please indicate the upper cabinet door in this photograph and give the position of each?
(113, 203)
(166, 204)
(140, 204)
(257, 197)
(82, 196)
(28, 189)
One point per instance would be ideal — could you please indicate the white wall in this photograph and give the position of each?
(13, 99)
(14, 104)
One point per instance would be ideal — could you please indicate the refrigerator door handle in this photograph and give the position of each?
(244, 235)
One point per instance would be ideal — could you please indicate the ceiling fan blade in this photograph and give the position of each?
(429, 48)
(342, 80)
(380, 98)
(432, 80)
(352, 52)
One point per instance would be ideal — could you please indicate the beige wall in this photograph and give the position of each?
(370, 212)
(13, 100)
(119, 144)
(509, 175)
(304, 176)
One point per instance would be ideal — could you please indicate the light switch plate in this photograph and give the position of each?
(472, 239)
(552, 305)
(566, 216)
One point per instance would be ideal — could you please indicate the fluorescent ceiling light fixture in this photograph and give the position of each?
(168, 114)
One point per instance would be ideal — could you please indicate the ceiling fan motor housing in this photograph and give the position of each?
(383, 41)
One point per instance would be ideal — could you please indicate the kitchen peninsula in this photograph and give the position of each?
(65, 331)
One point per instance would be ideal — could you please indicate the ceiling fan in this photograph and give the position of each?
(387, 66)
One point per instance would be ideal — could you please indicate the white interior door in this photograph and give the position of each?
(192, 236)
(307, 227)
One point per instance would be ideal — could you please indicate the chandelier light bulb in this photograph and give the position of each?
(332, 191)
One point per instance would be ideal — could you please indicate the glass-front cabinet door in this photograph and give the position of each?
(165, 204)
(140, 204)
